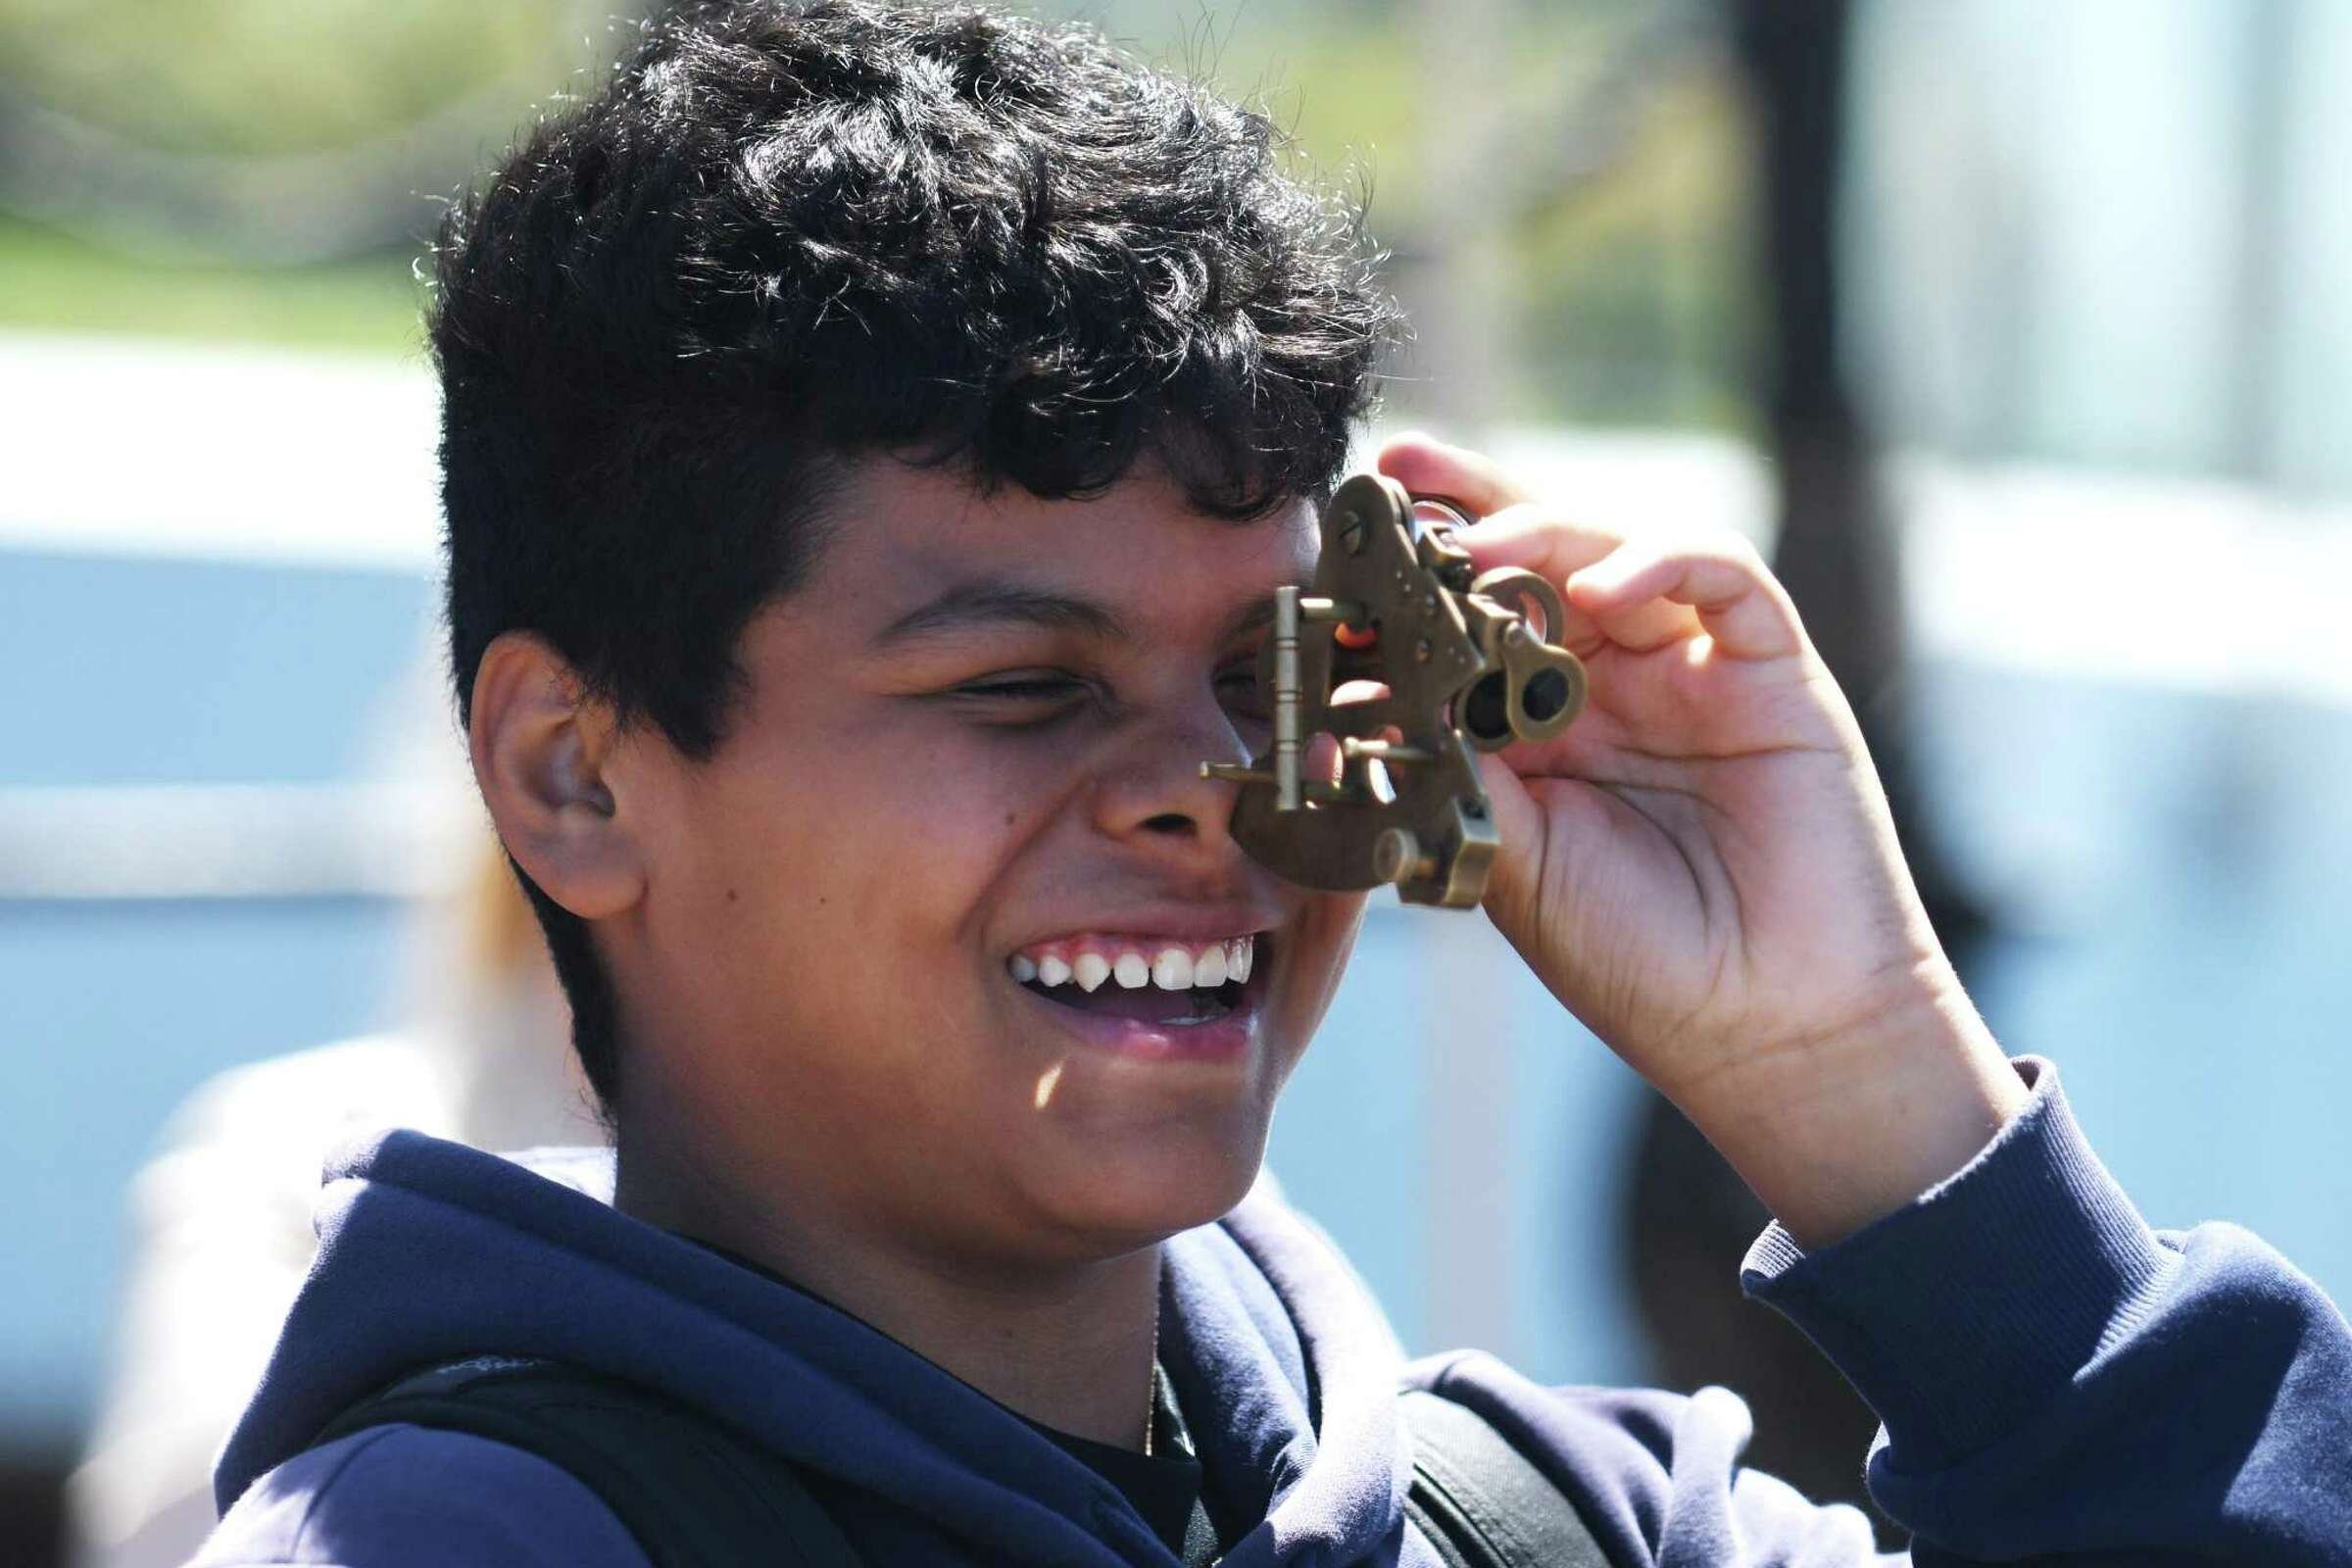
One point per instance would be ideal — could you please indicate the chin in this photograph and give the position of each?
(1153, 1186)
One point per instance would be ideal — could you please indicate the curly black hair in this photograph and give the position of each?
(782, 236)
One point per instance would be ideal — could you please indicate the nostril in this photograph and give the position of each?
(1168, 822)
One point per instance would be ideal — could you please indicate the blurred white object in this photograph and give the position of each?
(228, 840)
(222, 1217)
(349, 476)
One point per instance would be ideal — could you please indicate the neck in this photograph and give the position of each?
(1070, 1346)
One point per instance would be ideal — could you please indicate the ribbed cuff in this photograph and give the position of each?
(1959, 1315)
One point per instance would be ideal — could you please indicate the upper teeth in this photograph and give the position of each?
(1136, 962)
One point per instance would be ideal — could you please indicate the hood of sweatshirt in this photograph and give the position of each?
(431, 1252)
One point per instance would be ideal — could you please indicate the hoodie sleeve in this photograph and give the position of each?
(2058, 1384)
(398, 1495)
(2054, 1379)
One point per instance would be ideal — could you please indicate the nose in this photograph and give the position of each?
(1151, 794)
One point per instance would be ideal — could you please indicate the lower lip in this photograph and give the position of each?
(1222, 1039)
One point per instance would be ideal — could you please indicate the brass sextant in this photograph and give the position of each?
(1383, 676)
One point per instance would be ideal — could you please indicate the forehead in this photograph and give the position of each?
(900, 536)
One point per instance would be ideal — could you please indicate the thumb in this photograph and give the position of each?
(1514, 881)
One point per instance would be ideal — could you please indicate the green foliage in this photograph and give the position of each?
(1625, 289)
(258, 76)
(1635, 301)
(51, 282)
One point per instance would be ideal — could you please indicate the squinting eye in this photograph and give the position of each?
(1239, 687)
(1040, 688)
(1026, 699)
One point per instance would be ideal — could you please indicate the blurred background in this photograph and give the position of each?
(2020, 330)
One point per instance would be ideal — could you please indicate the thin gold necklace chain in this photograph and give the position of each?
(1152, 1389)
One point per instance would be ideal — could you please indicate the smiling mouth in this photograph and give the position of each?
(1169, 984)
(1166, 1009)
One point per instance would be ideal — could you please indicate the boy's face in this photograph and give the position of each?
(969, 745)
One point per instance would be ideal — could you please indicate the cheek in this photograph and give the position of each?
(1322, 938)
(856, 853)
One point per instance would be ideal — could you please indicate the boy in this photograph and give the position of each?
(872, 438)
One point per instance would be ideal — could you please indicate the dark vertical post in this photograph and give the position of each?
(1836, 551)
(1687, 1210)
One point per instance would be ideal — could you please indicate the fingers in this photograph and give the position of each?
(1428, 467)
(1551, 547)
(1539, 538)
(1653, 592)
(1639, 593)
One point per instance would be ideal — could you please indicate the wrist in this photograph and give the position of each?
(1837, 1128)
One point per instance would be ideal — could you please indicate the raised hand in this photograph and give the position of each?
(1702, 869)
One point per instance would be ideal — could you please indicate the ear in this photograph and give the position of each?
(540, 754)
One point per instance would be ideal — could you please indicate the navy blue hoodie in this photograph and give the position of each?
(2058, 1384)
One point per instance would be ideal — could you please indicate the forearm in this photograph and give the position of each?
(1839, 1128)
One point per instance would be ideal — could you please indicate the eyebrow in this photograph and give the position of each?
(995, 602)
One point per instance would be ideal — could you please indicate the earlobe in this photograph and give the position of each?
(540, 752)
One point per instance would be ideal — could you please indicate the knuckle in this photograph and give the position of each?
(1733, 548)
